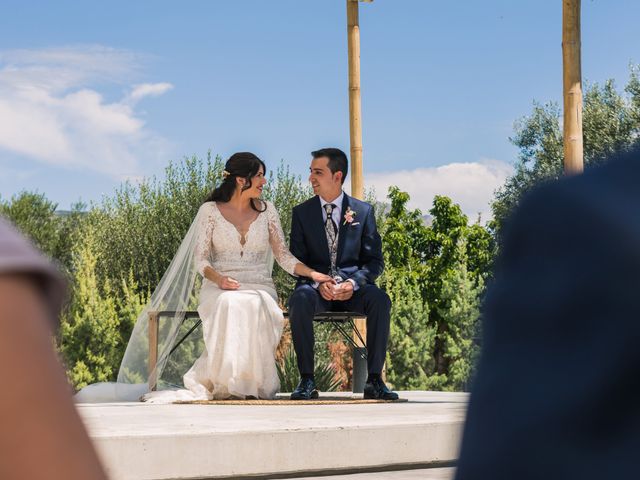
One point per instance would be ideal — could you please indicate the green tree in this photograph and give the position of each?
(35, 216)
(434, 276)
(90, 329)
(412, 337)
(452, 293)
(53, 232)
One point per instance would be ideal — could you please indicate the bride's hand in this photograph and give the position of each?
(228, 283)
(320, 277)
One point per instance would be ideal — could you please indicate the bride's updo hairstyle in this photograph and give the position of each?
(240, 165)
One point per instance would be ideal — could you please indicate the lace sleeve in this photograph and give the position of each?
(278, 245)
(204, 234)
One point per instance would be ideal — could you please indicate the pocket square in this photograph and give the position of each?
(355, 223)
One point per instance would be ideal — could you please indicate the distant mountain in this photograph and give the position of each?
(66, 213)
(383, 208)
(62, 213)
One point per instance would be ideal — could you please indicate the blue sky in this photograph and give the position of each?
(94, 93)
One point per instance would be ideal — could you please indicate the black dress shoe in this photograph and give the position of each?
(306, 390)
(375, 389)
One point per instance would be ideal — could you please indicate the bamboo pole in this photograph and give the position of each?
(355, 114)
(355, 118)
(572, 88)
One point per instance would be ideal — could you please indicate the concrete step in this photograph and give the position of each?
(419, 474)
(141, 441)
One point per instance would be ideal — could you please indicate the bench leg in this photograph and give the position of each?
(359, 356)
(153, 349)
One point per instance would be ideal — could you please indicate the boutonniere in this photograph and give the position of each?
(348, 216)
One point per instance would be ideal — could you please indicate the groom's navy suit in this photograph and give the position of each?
(359, 257)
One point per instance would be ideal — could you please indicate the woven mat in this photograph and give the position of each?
(286, 401)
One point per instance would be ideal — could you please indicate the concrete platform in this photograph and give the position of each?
(141, 441)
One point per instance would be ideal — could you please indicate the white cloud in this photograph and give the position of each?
(51, 110)
(57, 69)
(148, 90)
(471, 185)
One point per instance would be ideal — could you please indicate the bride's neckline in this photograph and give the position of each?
(243, 236)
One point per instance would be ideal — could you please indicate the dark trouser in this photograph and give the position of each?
(369, 300)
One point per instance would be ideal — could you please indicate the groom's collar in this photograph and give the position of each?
(337, 201)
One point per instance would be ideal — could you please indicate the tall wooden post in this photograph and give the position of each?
(355, 114)
(355, 131)
(572, 87)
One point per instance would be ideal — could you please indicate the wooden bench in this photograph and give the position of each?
(341, 321)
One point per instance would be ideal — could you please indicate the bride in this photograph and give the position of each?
(229, 246)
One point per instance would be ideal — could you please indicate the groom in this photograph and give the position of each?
(336, 234)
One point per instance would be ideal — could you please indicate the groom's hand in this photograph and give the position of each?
(343, 291)
(326, 290)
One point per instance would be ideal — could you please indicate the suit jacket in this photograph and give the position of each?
(557, 394)
(359, 255)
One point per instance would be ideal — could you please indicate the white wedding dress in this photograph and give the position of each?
(241, 328)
